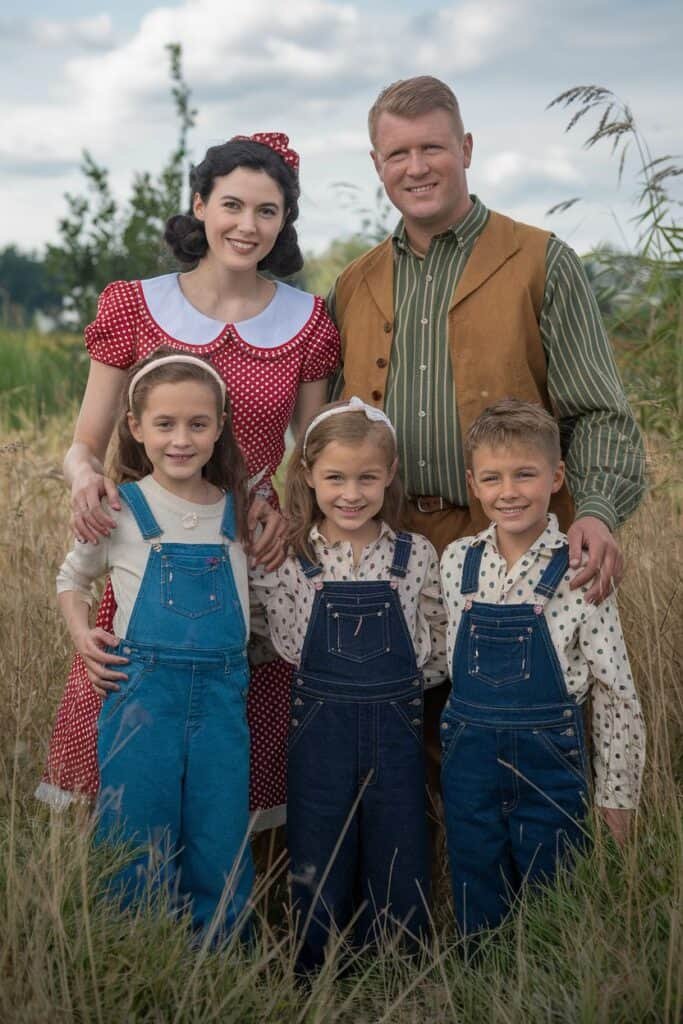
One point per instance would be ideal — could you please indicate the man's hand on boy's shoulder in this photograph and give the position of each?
(605, 564)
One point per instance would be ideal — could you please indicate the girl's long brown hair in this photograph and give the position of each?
(352, 428)
(225, 469)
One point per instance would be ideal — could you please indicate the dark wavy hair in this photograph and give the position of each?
(226, 468)
(185, 235)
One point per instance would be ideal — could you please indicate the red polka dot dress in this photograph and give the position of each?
(262, 361)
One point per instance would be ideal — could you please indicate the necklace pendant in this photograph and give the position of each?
(190, 520)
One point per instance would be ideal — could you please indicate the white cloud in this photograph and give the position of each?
(311, 68)
(464, 37)
(87, 32)
(510, 167)
(302, 52)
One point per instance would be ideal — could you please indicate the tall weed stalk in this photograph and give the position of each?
(642, 291)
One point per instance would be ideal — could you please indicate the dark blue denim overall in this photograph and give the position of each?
(173, 743)
(514, 762)
(356, 808)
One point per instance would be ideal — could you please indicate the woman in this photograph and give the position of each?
(273, 345)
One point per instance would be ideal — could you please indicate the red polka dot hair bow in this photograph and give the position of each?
(278, 142)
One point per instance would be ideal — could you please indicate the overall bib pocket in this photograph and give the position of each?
(358, 632)
(192, 585)
(499, 657)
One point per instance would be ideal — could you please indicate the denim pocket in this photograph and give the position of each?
(410, 711)
(499, 657)
(358, 632)
(192, 585)
(303, 710)
(451, 733)
(136, 670)
(565, 747)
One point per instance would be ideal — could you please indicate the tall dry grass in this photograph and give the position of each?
(605, 946)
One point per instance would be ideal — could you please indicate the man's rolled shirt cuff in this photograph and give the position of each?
(600, 508)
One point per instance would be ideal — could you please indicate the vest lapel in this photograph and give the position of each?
(379, 277)
(496, 244)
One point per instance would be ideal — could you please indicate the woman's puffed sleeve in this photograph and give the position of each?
(324, 347)
(112, 336)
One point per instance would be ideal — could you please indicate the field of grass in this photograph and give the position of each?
(39, 375)
(605, 946)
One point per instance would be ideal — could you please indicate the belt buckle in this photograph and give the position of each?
(438, 508)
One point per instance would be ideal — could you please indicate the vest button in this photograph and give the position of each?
(376, 394)
(387, 327)
(381, 363)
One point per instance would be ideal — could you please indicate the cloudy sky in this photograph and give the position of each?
(95, 76)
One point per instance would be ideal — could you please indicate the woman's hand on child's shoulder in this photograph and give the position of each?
(267, 545)
(90, 520)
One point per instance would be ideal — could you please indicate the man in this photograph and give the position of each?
(461, 307)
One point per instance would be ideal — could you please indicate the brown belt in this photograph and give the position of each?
(431, 503)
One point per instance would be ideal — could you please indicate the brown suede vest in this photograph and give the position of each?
(493, 317)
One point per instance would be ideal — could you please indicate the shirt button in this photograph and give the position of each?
(421, 413)
(387, 328)
(381, 363)
(422, 463)
(424, 320)
(376, 395)
(423, 367)
(429, 279)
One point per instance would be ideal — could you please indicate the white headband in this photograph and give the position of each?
(354, 404)
(192, 360)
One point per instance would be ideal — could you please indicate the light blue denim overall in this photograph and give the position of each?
(513, 770)
(356, 805)
(173, 743)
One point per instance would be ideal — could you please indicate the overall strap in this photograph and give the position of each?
(402, 549)
(469, 583)
(142, 513)
(309, 569)
(228, 524)
(553, 573)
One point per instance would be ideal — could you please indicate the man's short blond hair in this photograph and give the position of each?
(512, 421)
(412, 97)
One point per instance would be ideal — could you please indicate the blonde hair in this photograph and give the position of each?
(512, 421)
(351, 428)
(412, 97)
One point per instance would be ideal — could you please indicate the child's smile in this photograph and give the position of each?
(514, 484)
(178, 428)
(349, 483)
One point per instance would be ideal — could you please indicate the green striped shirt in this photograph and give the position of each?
(604, 454)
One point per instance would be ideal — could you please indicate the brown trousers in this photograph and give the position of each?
(441, 528)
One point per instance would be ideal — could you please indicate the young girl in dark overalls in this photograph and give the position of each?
(356, 607)
(173, 744)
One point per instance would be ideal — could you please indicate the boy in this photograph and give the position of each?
(524, 652)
